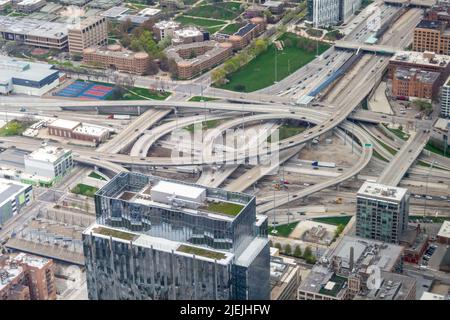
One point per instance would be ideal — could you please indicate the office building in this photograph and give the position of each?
(29, 6)
(247, 33)
(189, 35)
(162, 239)
(89, 32)
(323, 13)
(194, 58)
(440, 134)
(415, 241)
(343, 272)
(76, 130)
(26, 277)
(164, 29)
(393, 286)
(381, 212)
(49, 162)
(275, 7)
(415, 83)
(24, 77)
(117, 57)
(445, 99)
(33, 32)
(13, 197)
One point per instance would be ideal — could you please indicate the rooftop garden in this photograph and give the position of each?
(339, 284)
(115, 233)
(201, 252)
(227, 208)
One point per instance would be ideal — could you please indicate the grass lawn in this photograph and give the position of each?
(287, 131)
(333, 35)
(115, 233)
(231, 28)
(259, 73)
(283, 230)
(222, 11)
(84, 190)
(139, 93)
(334, 220)
(214, 29)
(437, 150)
(399, 133)
(95, 175)
(199, 21)
(201, 252)
(228, 208)
(200, 98)
(209, 124)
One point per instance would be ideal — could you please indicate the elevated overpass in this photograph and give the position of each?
(370, 48)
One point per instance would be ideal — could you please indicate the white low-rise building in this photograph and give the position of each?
(13, 196)
(49, 161)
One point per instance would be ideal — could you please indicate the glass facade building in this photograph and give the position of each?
(147, 246)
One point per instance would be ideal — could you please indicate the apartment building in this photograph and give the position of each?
(195, 243)
(445, 99)
(323, 13)
(49, 162)
(26, 277)
(189, 35)
(90, 32)
(194, 58)
(415, 83)
(117, 57)
(164, 29)
(381, 212)
(14, 196)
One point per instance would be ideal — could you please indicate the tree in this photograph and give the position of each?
(173, 69)
(164, 63)
(278, 246)
(288, 249)
(152, 68)
(218, 75)
(125, 26)
(339, 230)
(297, 251)
(307, 253)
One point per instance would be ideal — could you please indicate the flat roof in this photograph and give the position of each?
(164, 24)
(33, 27)
(444, 231)
(9, 189)
(381, 191)
(178, 189)
(420, 58)
(432, 296)
(19, 69)
(114, 12)
(65, 124)
(47, 153)
(442, 124)
(161, 244)
(91, 130)
(149, 11)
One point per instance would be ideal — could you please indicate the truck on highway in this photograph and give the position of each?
(323, 164)
(119, 116)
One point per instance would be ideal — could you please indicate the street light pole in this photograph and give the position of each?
(426, 189)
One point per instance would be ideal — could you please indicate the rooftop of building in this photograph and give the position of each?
(282, 272)
(149, 12)
(365, 253)
(3, 2)
(444, 231)
(184, 197)
(393, 286)
(442, 124)
(8, 274)
(189, 31)
(10, 188)
(134, 18)
(272, 4)
(215, 48)
(381, 191)
(428, 77)
(114, 12)
(164, 24)
(433, 296)
(47, 153)
(33, 27)
(161, 244)
(421, 58)
(32, 71)
(115, 51)
(29, 2)
(430, 24)
(31, 260)
(322, 280)
(65, 124)
(245, 29)
(88, 21)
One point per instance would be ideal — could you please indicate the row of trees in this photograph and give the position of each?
(239, 60)
(297, 252)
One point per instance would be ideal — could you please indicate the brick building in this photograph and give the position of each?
(90, 32)
(26, 277)
(78, 131)
(194, 58)
(415, 83)
(116, 57)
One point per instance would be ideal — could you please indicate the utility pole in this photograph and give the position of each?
(274, 183)
(276, 65)
(426, 189)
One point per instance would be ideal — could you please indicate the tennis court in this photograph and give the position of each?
(86, 90)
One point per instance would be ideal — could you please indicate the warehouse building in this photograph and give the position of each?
(415, 83)
(76, 130)
(23, 77)
(13, 197)
(29, 6)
